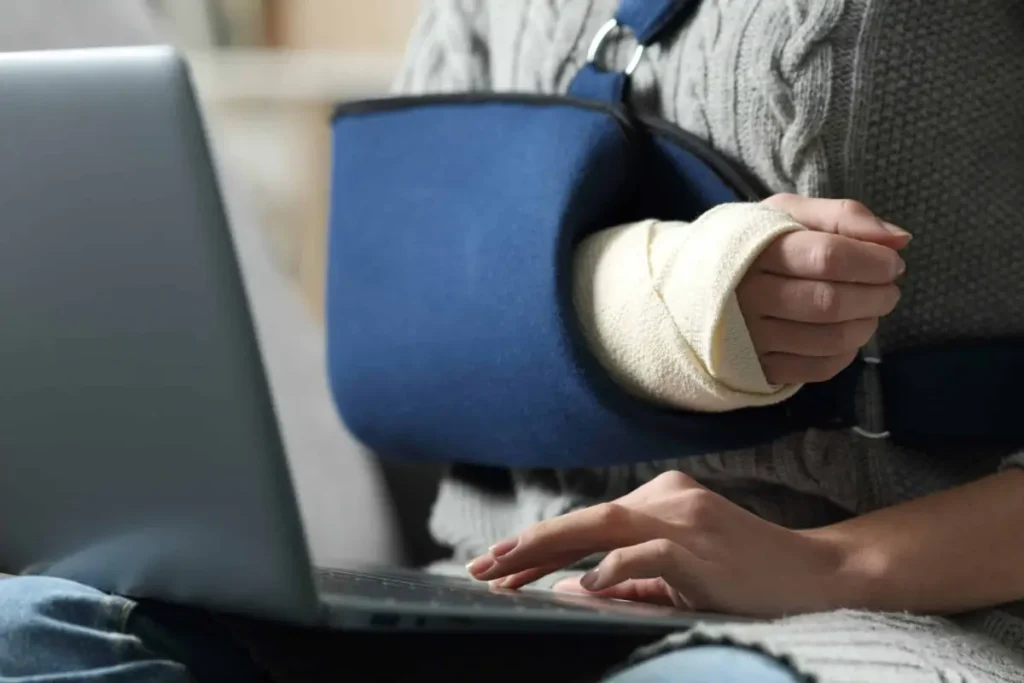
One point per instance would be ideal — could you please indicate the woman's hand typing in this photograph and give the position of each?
(674, 542)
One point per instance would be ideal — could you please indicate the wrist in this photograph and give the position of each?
(856, 571)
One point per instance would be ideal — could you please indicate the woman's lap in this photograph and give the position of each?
(54, 630)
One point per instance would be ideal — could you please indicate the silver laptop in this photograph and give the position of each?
(139, 450)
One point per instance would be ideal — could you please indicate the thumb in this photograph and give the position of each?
(840, 217)
(654, 591)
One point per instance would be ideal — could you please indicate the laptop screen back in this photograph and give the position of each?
(139, 450)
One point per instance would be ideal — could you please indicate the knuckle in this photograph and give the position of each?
(611, 514)
(825, 300)
(699, 506)
(780, 200)
(673, 479)
(854, 208)
(824, 257)
(663, 548)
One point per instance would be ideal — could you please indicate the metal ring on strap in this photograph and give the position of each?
(602, 35)
(874, 436)
(860, 431)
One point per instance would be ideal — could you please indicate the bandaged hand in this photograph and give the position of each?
(741, 307)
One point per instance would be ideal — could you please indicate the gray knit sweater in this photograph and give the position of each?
(913, 107)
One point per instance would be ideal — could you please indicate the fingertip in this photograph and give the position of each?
(884, 239)
(898, 237)
(571, 585)
(899, 243)
(593, 580)
(897, 231)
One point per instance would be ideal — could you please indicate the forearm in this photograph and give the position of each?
(949, 552)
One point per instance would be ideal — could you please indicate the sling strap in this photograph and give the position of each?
(650, 19)
(647, 21)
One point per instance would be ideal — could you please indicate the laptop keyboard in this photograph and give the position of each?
(437, 591)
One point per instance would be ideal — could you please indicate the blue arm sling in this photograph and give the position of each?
(450, 324)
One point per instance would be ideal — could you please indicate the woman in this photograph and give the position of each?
(911, 109)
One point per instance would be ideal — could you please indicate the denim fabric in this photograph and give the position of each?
(53, 631)
(56, 631)
(708, 664)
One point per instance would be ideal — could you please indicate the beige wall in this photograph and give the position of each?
(56, 24)
(358, 25)
(377, 26)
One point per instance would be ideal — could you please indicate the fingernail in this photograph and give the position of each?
(499, 583)
(592, 579)
(502, 548)
(901, 267)
(897, 231)
(480, 565)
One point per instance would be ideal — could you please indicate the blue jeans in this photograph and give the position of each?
(55, 631)
(708, 664)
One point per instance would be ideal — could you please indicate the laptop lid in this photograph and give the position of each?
(139, 451)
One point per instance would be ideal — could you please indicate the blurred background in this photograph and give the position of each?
(270, 71)
(268, 74)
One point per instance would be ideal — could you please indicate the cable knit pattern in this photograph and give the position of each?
(795, 76)
(698, 79)
(913, 108)
(447, 49)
